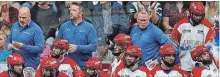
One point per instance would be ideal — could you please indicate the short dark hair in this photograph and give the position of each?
(77, 3)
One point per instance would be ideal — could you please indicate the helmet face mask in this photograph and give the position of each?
(93, 67)
(197, 12)
(60, 47)
(130, 60)
(91, 72)
(16, 69)
(118, 49)
(206, 58)
(47, 72)
(57, 52)
(196, 19)
(132, 56)
(202, 54)
(49, 67)
(168, 60)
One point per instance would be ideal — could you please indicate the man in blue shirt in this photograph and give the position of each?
(80, 34)
(149, 38)
(26, 38)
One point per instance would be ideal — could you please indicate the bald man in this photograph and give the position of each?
(26, 38)
(149, 38)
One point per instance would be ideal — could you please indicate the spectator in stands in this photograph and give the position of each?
(3, 51)
(172, 13)
(29, 4)
(210, 9)
(154, 8)
(105, 14)
(8, 14)
(45, 16)
(26, 38)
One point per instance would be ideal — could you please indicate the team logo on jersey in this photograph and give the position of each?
(186, 31)
(200, 31)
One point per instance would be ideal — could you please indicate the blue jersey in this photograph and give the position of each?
(32, 38)
(149, 40)
(84, 36)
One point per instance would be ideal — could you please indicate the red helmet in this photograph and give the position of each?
(50, 63)
(197, 8)
(197, 52)
(15, 59)
(167, 49)
(123, 39)
(61, 43)
(134, 50)
(94, 63)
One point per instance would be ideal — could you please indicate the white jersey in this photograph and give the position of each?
(212, 71)
(174, 72)
(188, 37)
(125, 72)
(114, 64)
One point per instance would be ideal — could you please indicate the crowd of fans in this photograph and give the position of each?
(109, 38)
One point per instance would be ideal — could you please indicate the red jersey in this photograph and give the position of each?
(76, 69)
(103, 74)
(77, 72)
(61, 74)
(4, 74)
(174, 72)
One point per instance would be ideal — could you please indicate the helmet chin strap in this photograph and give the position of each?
(12, 72)
(135, 65)
(193, 21)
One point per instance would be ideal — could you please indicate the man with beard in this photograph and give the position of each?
(15, 64)
(167, 67)
(59, 48)
(190, 32)
(49, 68)
(80, 34)
(205, 65)
(121, 42)
(132, 66)
(94, 68)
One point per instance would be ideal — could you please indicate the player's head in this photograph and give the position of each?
(167, 54)
(15, 64)
(197, 12)
(93, 67)
(201, 54)
(49, 67)
(132, 56)
(121, 41)
(60, 46)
